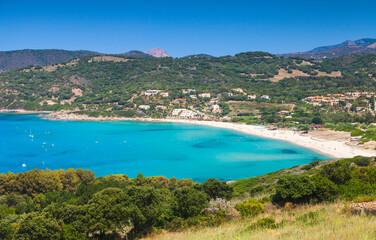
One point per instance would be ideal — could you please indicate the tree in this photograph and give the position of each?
(108, 211)
(188, 202)
(293, 188)
(6, 231)
(36, 226)
(337, 172)
(325, 190)
(317, 120)
(217, 189)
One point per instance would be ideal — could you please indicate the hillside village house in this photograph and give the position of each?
(265, 97)
(180, 100)
(216, 108)
(164, 94)
(193, 96)
(239, 90)
(144, 107)
(204, 95)
(251, 96)
(187, 114)
(151, 92)
(188, 90)
(177, 111)
(160, 107)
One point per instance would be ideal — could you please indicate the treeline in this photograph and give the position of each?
(73, 204)
(37, 181)
(346, 179)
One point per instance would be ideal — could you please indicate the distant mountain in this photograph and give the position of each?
(137, 54)
(157, 52)
(365, 45)
(203, 56)
(21, 58)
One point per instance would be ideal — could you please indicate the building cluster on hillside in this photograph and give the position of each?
(336, 98)
(190, 103)
(348, 99)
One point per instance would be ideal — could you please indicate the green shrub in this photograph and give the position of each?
(188, 202)
(338, 172)
(310, 165)
(309, 218)
(217, 189)
(293, 188)
(6, 230)
(268, 223)
(356, 132)
(251, 207)
(362, 161)
(325, 190)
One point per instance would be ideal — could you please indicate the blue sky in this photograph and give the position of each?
(183, 27)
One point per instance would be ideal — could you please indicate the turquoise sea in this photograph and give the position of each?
(153, 149)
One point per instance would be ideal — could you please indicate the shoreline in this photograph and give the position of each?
(330, 148)
(21, 111)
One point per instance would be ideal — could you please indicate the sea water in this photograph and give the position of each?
(153, 149)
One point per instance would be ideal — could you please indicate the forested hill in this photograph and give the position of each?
(114, 80)
(361, 46)
(22, 58)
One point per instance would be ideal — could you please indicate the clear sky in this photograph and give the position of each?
(183, 27)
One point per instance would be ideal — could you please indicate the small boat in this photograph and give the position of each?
(23, 165)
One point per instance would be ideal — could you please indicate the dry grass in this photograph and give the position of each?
(108, 59)
(246, 107)
(329, 223)
(282, 74)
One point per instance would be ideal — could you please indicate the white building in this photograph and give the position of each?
(265, 97)
(144, 107)
(187, 114)
(177, 111)
(204, 95)
(216, 108)
(164, 94)
(193, 96)
(160, 107)
(251, 96)
(188, 90)
(239, 90)
(151, 92)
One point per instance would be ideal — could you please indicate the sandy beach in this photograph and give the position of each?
(336, 148)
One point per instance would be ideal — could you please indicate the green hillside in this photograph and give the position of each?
(20, 58)
(74, 204)
(115, 82)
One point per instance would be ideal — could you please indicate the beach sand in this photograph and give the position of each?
(336, 148)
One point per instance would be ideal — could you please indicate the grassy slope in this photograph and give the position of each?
(264, 185)
(309, 221)
(322, 221)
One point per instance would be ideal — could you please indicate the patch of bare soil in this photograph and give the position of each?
(282, 74)
(327, 134)
(77, 91)
(107, 59)
(78, 80)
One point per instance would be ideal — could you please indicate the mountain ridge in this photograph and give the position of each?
(348, 47)
(157, 52)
